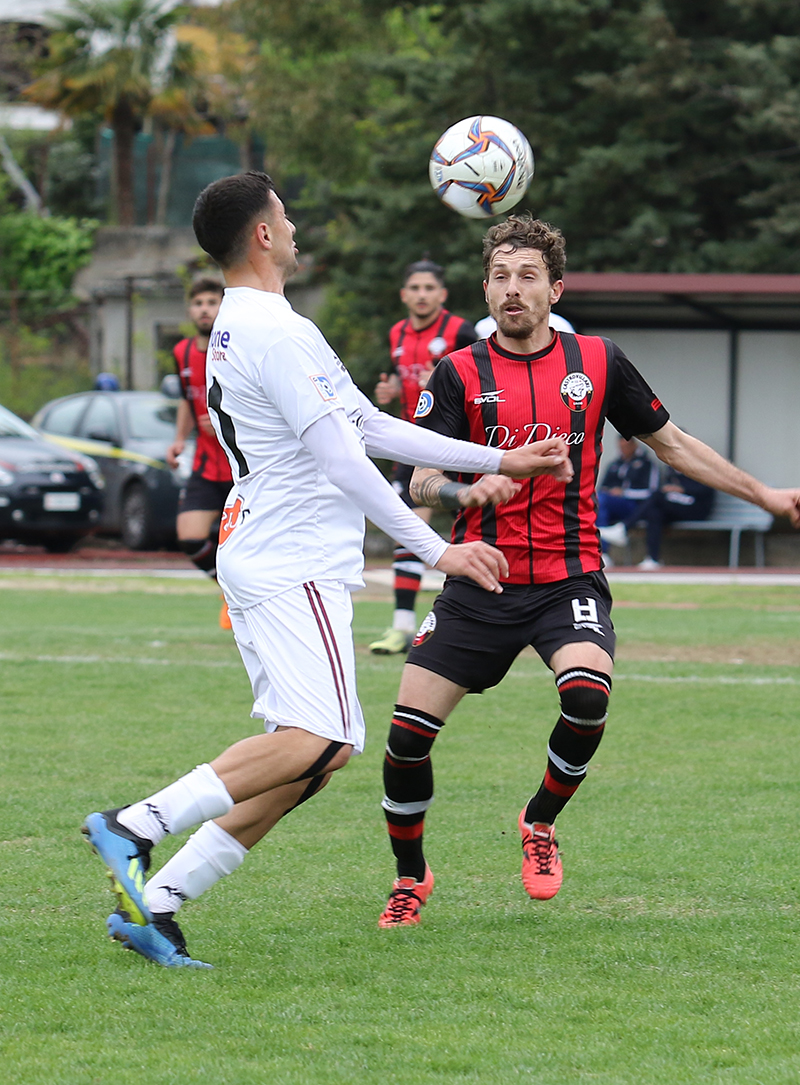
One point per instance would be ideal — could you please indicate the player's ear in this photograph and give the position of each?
(556, 290)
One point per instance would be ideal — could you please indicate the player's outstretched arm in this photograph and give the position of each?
(550, 457)
(697, 460)
(434, 490)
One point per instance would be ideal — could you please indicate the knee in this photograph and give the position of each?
(584, 695)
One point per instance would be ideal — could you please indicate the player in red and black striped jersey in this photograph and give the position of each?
(525, 383)
(416, 344)
(202, 499)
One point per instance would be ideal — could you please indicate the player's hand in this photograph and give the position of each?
(172, 453)
(784, 503)
(489, 490)
(549, 457)
(425, 375)
(480, 562)
(385, 390)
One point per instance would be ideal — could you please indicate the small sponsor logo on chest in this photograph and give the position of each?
(494, 396)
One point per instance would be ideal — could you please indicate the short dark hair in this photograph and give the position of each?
(424, 267)
(206, 285)
(526, 232)
(224, 212)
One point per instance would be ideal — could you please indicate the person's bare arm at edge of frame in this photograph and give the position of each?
(694, 458)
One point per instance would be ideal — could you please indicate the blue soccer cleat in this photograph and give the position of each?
(127, 858)
(160, 941)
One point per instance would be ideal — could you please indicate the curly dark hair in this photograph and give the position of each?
(526, 232)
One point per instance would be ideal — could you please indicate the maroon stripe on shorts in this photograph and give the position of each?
(332, 649)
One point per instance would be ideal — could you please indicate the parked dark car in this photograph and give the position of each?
(128, 433)
(47, 494)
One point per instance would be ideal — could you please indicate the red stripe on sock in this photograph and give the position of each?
(563, 790)
(405, 764)
(406, 832)
(583, 683)
(406, 582)
(411, 727)
(582, 730)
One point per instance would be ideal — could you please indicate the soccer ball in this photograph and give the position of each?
(481, 166)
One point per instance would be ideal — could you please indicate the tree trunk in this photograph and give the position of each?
(165, 182)
(123, 122)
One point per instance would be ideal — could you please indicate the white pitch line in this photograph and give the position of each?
(144, 661)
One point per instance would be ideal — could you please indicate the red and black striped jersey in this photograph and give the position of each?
(415, 350)
(210, 461)
(492, 396)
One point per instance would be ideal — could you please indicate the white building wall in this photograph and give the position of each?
(767, 431)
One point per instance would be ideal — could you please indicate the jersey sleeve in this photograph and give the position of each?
(177, 356)
(295, 375)
(466, 335)
(633, 406)
(440, 406)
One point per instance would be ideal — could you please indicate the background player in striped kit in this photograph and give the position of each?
(416, 344)
(201, 500)
(524, 383)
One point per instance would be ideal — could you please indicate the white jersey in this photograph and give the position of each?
(270, 375)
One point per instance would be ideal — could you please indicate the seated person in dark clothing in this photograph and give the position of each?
(627, 483)
(679, 498)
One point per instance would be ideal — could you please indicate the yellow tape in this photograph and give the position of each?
(99, 449)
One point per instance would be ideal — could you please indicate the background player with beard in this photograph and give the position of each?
(416, 344)
(527, 381)
(298, 434)
(202, 498)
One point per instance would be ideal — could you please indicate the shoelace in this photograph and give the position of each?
(543, 850)
(401, 903)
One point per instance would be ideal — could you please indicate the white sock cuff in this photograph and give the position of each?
(204, 797)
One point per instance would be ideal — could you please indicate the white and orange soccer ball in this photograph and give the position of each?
(481, 166)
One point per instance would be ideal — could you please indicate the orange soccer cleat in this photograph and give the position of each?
(542, 872)
(224, 616)
(406, 900)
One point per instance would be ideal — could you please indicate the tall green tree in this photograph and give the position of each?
(118, 59)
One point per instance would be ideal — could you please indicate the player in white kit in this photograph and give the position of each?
(297, 432)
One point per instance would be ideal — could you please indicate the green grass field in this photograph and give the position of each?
(669, 957)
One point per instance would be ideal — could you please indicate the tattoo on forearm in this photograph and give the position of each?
(437, 492)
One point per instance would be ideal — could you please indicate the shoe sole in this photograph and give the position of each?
(126, 902)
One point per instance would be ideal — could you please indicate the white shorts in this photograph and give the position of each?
(297, 648)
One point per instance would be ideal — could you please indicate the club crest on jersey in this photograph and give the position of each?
(424, 404)
(576, 391)
(437, 347)
(323, 386)
(425, 631)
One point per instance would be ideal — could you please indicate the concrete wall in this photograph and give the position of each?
(689, 371)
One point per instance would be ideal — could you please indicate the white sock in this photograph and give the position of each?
(208, 855)
(405, 621)
(198, 796)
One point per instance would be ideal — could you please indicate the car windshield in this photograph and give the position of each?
(151, 418)
(11, 426)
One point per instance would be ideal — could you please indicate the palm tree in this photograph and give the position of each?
(114, 57)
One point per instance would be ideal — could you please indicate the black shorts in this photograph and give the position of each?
(203, 495)
(472, 636)
(401, 480)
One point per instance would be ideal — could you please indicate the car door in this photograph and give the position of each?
(101, 437)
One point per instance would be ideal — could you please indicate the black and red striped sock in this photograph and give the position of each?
(584, 697)
(408, 783)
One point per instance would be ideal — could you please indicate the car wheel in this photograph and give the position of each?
(137, 519)
(62, 545)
